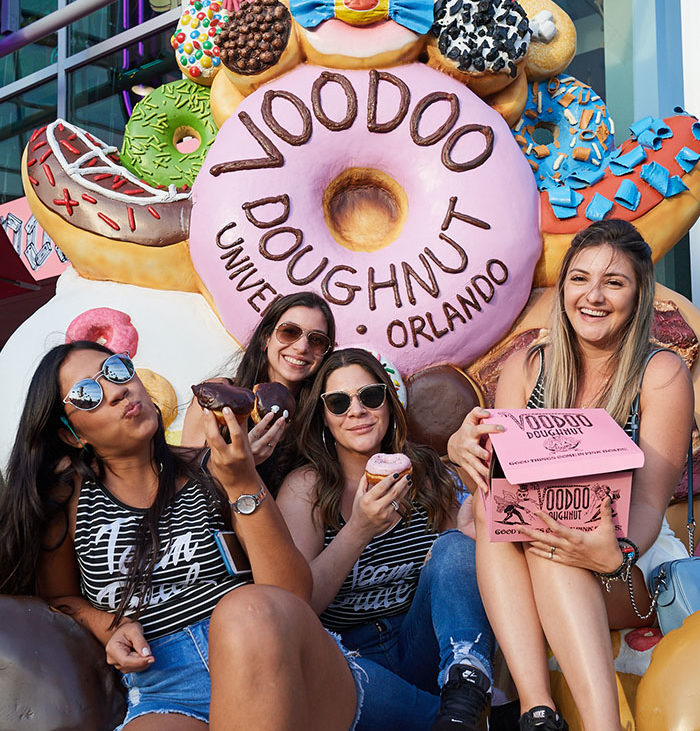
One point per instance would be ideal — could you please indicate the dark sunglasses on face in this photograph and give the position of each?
(371, 397)
(87, 393)
(289, 332)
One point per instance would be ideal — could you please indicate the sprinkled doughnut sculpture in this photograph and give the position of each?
(652, 180)
(108, 327)
(258, 43)
(565, 128)
(486, 61)
(109, 222)
(159, 122)
(195, 40)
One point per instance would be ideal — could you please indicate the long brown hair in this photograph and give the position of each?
(41, 460)
(252, 368)
(433, 486)
(565, 365)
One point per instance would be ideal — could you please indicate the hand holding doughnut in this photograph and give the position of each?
(230, 463)
(373, 511)
(465, 446)
(265, 436)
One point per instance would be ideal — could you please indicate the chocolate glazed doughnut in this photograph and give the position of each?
(272, 397)
(215, 396)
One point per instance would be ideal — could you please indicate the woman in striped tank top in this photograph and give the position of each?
(546, 591)
(112, 526)
(391, 573)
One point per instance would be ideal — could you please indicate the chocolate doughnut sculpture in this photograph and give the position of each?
(422, 172)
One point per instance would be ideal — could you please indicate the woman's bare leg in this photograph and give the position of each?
(572, 613)
(170, 721)
(506, 591)
(274, 668)
(621, 615)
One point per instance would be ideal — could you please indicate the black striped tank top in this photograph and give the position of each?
(383, 580)
(190, 576)
(536, 400)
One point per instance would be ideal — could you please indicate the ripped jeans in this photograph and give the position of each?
(405, 656)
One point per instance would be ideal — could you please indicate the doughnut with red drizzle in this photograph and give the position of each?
(88, 202)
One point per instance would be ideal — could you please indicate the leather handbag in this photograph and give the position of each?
(677, 583)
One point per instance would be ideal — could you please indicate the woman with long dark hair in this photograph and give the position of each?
(289, 344)
(391, 574)
(109, 524)
(597, 355)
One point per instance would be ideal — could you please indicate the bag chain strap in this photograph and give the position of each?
(661, 578)
(654, 599)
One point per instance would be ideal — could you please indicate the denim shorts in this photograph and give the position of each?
(178, 680)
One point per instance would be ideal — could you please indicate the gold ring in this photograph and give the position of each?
(552, 549)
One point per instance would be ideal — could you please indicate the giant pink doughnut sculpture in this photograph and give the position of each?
(384, 192)
(111, 328)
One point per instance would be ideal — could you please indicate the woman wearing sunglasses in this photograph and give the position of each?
(112, 526)
(386, 578)
(294, 336)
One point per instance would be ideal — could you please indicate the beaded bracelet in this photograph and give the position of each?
(630, 554)
(628, 546)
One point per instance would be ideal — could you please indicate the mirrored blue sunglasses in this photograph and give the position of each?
(87, 394)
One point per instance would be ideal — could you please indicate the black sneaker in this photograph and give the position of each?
(542, 718)
(464, 701)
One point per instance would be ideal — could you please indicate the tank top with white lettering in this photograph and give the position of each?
(383, 580)
(190, 576)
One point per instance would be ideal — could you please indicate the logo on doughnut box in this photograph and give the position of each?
(561, 462)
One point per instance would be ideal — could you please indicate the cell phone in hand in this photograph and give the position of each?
(232, 553)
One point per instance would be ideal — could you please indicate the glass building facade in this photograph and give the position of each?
(93, 71)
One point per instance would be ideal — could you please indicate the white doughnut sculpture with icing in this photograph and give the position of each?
(383, 192)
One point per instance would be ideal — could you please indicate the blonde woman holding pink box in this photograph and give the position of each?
(552, 590)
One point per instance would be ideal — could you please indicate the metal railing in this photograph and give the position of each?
(50, 24)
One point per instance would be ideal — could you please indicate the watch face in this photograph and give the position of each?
(246, 504)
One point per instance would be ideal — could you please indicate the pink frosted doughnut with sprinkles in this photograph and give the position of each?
(195, 39)
(565, 127)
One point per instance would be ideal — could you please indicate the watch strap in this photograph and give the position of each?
(258, 497)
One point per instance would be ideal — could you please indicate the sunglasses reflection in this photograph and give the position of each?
(87, 394)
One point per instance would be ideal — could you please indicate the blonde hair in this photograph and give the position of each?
(563, 372)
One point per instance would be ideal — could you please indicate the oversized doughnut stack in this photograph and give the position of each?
(308, 147)
(421, 168)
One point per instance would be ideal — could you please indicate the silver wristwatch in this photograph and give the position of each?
(247, 504)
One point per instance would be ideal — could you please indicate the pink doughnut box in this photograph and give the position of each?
(562, 462)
